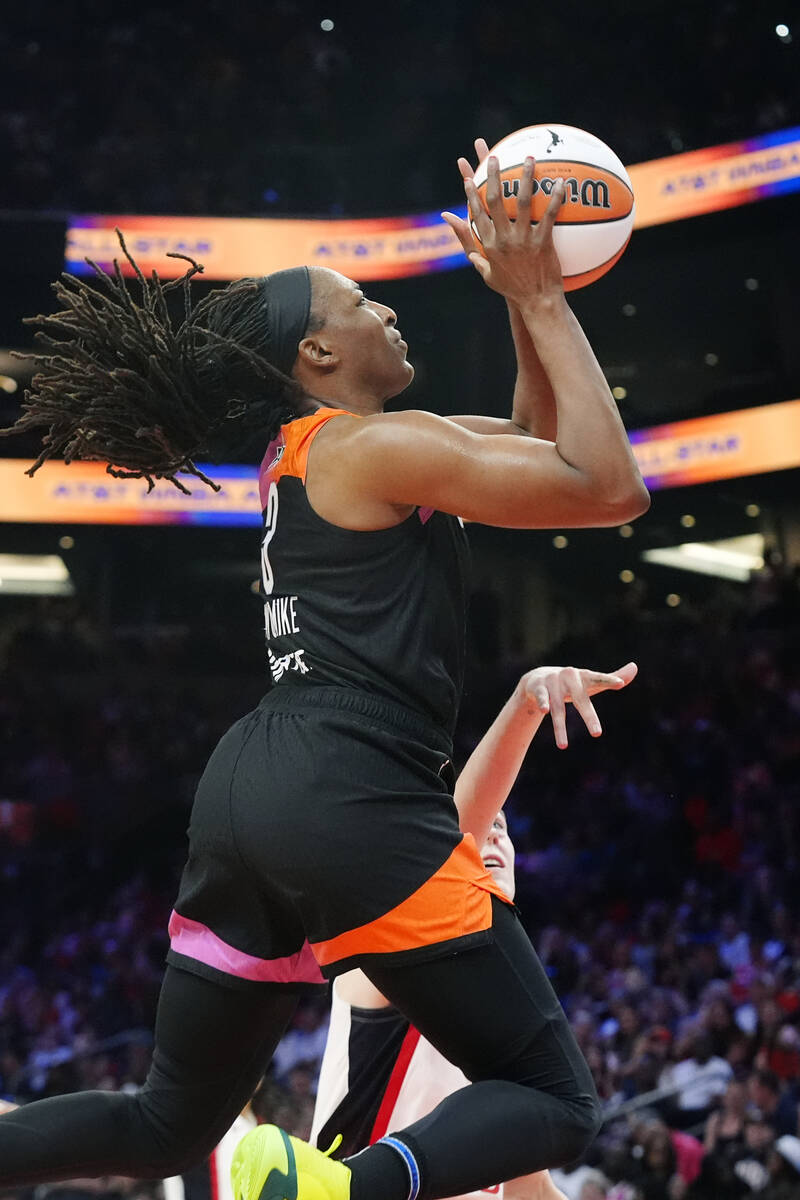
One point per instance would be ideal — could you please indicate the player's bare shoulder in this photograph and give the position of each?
(398, 439)
(384, 465)
(343, 469)
(361, 446)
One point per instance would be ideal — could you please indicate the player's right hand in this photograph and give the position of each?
(515, 258)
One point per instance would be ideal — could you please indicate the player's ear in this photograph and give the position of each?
(318, 352)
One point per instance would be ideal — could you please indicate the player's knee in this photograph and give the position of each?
(171, 1140)
(174, 1158)
(581, 1128)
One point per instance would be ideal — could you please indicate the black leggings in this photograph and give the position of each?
(490, 1010)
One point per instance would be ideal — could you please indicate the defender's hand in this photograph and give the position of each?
(550, 689)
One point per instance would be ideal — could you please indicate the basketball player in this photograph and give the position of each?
(324, 835)
(377, 1073)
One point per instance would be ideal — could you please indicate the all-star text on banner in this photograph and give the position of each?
(750, 441)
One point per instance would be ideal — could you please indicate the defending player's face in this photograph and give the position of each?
(361, 332)
(498, 855)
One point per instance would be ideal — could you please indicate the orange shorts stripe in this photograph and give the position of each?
(455, 901)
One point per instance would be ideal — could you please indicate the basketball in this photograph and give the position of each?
(596, 218)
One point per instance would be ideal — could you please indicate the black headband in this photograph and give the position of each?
(287, 296)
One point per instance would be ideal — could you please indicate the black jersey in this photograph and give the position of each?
(382, 611)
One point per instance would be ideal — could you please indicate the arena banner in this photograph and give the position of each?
(230, 247)
(702, 181)
(666, 189)
(747, 442)
(83, 493)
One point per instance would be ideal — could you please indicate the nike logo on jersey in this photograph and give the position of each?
(280, 616)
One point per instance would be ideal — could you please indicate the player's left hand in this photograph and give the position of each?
(549, 690)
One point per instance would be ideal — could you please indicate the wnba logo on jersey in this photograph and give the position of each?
(287, 662)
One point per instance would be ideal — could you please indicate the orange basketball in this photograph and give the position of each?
(596, 218)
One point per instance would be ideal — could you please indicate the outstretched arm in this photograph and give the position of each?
(587, 477)
(519, 261)
(491, 770)
(534, 407)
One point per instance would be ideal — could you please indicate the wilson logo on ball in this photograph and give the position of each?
(591, 193)
(594, 221)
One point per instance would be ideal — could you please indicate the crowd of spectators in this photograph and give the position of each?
(656, 871)
(222, 109)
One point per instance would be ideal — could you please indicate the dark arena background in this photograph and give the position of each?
(657, 867)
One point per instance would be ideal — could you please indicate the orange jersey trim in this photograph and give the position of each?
(297, 437)
(454, 902)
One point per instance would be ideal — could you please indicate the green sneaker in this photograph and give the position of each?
(268, 1164)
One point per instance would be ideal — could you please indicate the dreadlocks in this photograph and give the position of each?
(122, 383)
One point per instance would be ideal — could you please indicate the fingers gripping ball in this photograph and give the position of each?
(596, 218)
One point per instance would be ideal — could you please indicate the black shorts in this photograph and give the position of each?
(323, 834)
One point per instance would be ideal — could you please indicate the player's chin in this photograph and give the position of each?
(402, 379)
(504, 877)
